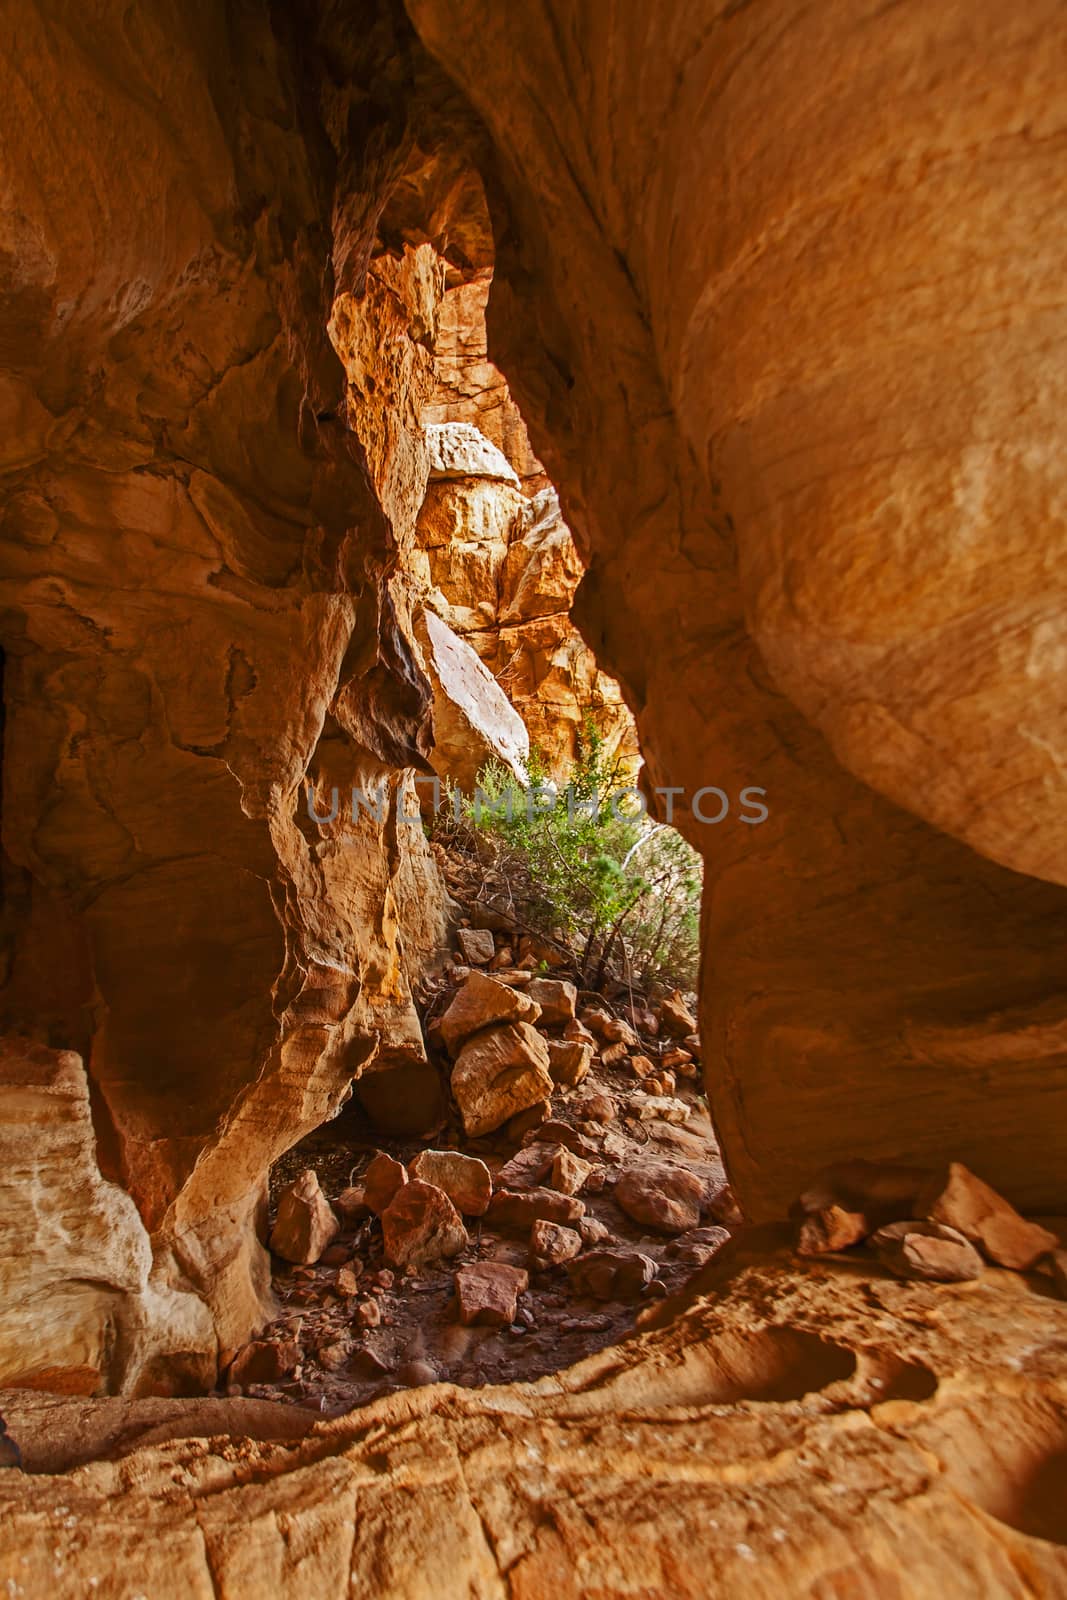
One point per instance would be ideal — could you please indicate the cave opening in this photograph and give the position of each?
(506, 1189)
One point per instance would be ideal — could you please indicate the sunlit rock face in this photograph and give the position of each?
(490, 553)
(798, 374)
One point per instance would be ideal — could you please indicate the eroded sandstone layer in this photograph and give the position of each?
(197, 620)
(797, 1430)
(779, 294)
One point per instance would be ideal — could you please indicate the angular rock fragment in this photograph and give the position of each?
(473, 720)
(697, 1248)
(264, 1361)
(568, 1061)
(927, 1250)
(555, 1132)
(616, 1031)
(556, 997)
(578, 1031)
(662, 1197)
(527, 1167)
(476, 946)
(569, 1172)
(961, 1201)
(641, 1066)
(509, 1209)
(383, 1177)
(466, 1180)
(525, 1122)
(612, 1274)
(351, 1205)
(831, 1228)
(481, 1002)
(551, 1245)
(500, 1072)
(592, 1231)
(487, 1293)
(662, 1107)
(595, 1106)
(347, 1281)
(421, 1225)
(675, 1018)
(612, 1054)
(305, 1224)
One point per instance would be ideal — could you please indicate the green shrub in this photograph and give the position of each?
(621, 891)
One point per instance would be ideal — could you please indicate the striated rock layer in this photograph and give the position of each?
(799, 1430)
(780, 296)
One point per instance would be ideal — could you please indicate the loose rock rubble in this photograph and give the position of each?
(527, 1231)
(942, 1226)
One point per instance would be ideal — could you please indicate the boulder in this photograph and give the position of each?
(474, 722)
(661, 1196)
(642, 1066)
(487, 1293)
(569, 1172)
(552, 1245)
(616, 1031)
(383, 1177)
(675, 1018)
(520, 1210)
(264, 1361)
(612, 1274)
(480, 1003)
(955, 1197)
(421, 1225)
(477, 946)
(499, 1072)
(465, 1179)
(556, 997)
(568, 1061)
(306, 1224)
(926, 1250)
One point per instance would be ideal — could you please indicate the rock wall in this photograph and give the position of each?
(798, 376)
(490, 553)
(197, 619)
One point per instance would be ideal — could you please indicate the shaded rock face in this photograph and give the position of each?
(79, 1306)
(833, 523)
(196, 620)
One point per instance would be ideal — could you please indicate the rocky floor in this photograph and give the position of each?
(352, 1328)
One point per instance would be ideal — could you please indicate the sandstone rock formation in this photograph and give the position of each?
(779, 293)
(80, 1306)
(821, 476)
